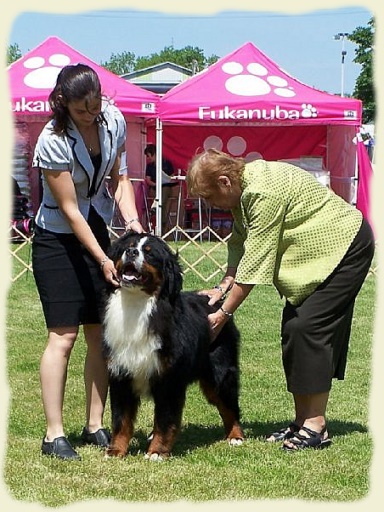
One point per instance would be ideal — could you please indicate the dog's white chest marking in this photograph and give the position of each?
(133, 349)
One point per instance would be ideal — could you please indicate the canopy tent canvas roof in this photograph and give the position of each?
(247, 86)
(32, 77)
(245, 104)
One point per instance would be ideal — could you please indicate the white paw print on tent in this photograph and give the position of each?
(42, 76)
(308, 110)
(236, 146)
(252, 84)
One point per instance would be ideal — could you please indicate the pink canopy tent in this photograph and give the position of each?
(248, 106)
(32, 77)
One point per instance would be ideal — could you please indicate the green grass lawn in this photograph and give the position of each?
(203, 467)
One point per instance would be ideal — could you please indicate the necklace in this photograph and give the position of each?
(89, 138)
(91, 147)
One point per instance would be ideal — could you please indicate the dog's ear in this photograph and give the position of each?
(112, 251)
(172, 277)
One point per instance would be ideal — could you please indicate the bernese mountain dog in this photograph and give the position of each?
(157, 342)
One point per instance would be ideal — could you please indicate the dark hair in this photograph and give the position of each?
(150, 150)
(74, 83)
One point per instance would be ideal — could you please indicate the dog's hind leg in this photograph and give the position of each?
(225, 398)
(124, 406)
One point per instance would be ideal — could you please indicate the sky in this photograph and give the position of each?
(301, 43)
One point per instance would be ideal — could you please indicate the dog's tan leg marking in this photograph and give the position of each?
(120, 440)
(233, 431)
(162, 443)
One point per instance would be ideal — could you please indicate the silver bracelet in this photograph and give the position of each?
(226, 313)
(218, 287)
(127, 224)
(103, 262)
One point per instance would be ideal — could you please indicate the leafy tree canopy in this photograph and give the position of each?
(364, 38)
(13, 53)
(121, 63)
(189, 57)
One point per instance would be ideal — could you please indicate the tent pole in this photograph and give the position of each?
(356, 176)
(159, 157)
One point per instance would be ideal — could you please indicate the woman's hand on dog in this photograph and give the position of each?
(217, 321)
(214, 295)
(134, 225)
(110, 273)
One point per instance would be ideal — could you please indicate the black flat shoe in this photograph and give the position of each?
(100, 438)
(60, 448)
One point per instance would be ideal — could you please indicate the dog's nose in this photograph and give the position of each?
(132, 252)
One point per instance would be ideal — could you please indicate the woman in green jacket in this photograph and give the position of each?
(292, 232)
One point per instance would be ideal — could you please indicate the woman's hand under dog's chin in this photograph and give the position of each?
(110, 273)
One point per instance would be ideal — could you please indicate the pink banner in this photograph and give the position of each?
(364, 181)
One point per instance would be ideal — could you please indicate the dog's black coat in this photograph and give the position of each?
(175, 325)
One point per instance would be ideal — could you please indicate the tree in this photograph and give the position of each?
(13, 53)
(364, 90)
(188, 57)
(120, 63)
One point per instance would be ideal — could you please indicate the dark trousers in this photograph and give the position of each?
(315, 335)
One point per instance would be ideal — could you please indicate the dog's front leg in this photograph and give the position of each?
(168, 412)
(124, 406)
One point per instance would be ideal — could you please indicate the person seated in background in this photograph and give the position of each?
(167, 183)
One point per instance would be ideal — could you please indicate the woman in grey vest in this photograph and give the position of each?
(82, 145)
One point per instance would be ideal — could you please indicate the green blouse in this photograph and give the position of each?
(289, 230)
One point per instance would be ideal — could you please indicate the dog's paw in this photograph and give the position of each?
(235, 442)
(156, 457)
(111, 452)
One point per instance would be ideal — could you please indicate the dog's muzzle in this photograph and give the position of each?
(130, 268)
(130, 276)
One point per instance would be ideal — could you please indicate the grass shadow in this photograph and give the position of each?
(335, 427)
(195, 436)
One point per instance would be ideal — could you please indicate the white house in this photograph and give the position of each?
(160, 77)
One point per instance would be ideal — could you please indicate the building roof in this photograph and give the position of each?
(158, 78)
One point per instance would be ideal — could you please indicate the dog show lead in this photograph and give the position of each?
(292, 232)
